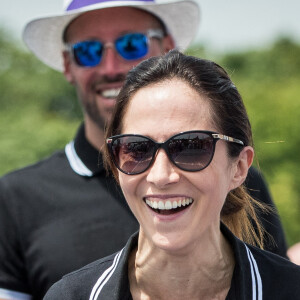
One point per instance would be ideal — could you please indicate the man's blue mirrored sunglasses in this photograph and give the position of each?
(130, 46)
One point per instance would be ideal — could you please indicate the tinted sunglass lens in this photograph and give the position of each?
(88, 53)
(132, 46)
(132, 154)
(192, 151)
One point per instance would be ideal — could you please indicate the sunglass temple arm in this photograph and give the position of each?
(227, 138)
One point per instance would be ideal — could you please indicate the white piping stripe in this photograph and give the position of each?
(75, 162)
(105, 277)
(108, 277)
(252, 275)
(256, 278)
(259, 281)
(12, 295)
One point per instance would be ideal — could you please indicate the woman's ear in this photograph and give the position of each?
(242, 164)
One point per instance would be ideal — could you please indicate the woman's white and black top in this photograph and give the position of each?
(258, 275)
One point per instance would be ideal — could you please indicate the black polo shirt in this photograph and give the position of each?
(57, 216)
(258, 275)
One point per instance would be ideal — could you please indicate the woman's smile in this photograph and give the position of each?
(168, 205)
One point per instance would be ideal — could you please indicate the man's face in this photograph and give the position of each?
(98, 86)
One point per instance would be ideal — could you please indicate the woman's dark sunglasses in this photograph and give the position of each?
(130, 46)
(189, 151)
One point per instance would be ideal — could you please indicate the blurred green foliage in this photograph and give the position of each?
(39, 113)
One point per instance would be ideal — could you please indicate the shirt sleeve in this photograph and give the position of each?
(12, 267)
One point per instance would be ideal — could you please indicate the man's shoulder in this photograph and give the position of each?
(36, 169)
(31, 180)
(255, 179)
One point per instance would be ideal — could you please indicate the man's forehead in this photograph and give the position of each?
(113, 19)
(119, 14)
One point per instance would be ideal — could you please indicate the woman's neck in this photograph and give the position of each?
(203, 273)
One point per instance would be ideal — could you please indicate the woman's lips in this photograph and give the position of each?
(168, 206)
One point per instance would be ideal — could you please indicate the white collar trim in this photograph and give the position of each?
(75, 162)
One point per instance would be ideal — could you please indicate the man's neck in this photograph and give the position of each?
(94, 134)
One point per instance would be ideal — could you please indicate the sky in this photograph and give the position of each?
(225, 24)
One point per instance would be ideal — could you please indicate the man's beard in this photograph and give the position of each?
(90, 105)
(94, 113)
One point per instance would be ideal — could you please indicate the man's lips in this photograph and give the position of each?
(108, 93)
(108, 87)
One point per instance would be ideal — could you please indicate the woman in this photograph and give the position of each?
(180, 147)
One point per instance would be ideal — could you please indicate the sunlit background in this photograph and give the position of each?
(257, 41)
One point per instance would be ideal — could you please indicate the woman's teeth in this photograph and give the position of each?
(169, 205)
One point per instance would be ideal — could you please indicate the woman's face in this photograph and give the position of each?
(160, 111)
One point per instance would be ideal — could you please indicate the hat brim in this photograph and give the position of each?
(43, 36)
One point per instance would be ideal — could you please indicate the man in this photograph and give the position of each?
(64, 212)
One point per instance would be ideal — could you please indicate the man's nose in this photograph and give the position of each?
(111, 63)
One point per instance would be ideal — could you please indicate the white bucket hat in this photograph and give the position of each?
(44, 36)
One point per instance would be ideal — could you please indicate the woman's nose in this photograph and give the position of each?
(162, 172)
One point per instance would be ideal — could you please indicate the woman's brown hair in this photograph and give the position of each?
(229, 116)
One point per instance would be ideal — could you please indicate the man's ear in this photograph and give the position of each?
(168, 43)
(67, 66)
(242, 165)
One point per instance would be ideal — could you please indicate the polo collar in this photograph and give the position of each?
(249, 285)
(83, 158)
(114, 283)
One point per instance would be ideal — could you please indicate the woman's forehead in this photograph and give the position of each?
(167, 104)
